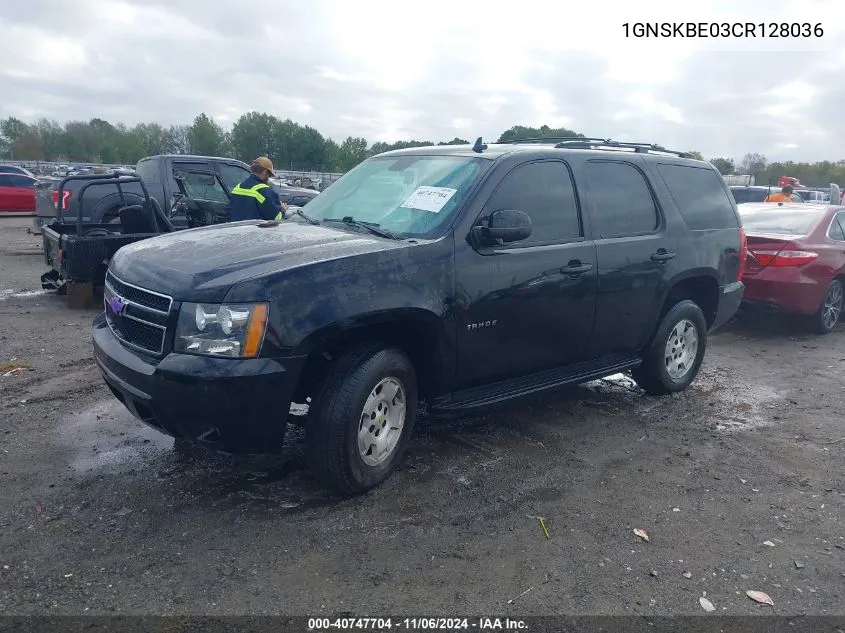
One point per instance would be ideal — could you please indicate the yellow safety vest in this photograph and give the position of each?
(252, 192)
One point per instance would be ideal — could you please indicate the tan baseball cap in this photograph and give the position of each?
(266, 163)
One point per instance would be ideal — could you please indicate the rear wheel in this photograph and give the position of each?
(675, 355)
(831, 309)
(360, 421)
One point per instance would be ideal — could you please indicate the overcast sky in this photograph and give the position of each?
(402, 69)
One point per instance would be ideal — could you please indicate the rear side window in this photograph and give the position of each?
(5, 180)
(837, 228)
(148, 171)
(700, 196)
(179, 165)
(623, 202)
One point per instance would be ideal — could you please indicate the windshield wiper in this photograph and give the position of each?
(307, 218)
(372, 227)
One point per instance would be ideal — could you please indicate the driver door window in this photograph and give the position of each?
(543, 190)
(232, 175)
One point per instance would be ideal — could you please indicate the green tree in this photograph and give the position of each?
(331, 155)
(725, 166)
(352, 151)
(312, 148)
(544, 131)
(13, 129)
(152, 137)
(206, 137)
(50, 134)
(255, 134)
(753, 164)
(176, 139)
(129, 145)
(21, 139)
(696, 155)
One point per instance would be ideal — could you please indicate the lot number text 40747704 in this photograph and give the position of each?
(417, 624)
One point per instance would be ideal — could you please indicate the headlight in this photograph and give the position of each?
(233, 330)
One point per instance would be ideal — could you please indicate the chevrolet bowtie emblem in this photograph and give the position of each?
(116, 304)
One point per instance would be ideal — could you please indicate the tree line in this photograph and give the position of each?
(292, 146)
(289, 144)
(819, 174)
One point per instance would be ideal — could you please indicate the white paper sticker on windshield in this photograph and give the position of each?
(431, 199)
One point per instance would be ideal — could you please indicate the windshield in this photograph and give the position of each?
(785, 221)
(410, 196)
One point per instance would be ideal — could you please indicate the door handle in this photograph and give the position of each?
(576, 269)
(662, 256)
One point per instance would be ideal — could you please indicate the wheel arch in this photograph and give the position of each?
(698, 285)
(419, 333)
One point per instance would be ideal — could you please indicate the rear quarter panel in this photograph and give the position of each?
(710, 253)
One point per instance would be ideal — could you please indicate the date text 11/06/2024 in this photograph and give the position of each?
(724, 30)
(318, 625)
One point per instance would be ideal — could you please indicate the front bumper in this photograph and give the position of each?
(730, 298)
(238, 406)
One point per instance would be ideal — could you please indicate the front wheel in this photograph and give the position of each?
(831, 309)
(675, 355)
(361, 419)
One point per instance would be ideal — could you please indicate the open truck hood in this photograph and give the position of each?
(203, 264)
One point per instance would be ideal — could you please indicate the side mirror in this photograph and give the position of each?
(504, 226)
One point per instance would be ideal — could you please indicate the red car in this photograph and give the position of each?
(17, 194)
(796, 259)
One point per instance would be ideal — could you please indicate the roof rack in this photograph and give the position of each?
(549, 139)
(577, 142)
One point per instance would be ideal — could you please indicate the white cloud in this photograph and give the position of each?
(386, 70)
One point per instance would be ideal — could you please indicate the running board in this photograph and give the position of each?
(476, 397)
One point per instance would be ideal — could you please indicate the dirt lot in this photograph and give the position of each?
(99, 515)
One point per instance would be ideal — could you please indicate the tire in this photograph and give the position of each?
(830, 311)
(356, 384)
(682, 327)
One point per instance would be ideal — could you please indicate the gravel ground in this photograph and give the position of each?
(98, 514)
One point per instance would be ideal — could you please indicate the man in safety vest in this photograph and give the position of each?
(785, 195)
(254, 199)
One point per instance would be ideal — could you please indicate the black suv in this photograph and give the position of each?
(448, 277)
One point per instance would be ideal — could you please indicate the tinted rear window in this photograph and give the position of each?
(148, 171)
(700, 196)
(780, 221)
(744, 194)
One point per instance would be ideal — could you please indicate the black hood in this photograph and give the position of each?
(203, 264)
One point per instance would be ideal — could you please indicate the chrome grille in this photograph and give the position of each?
(146, 298)
(137, 317)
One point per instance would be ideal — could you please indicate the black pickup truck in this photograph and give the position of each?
(102, 205)
(444, 278)
(78, 252)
